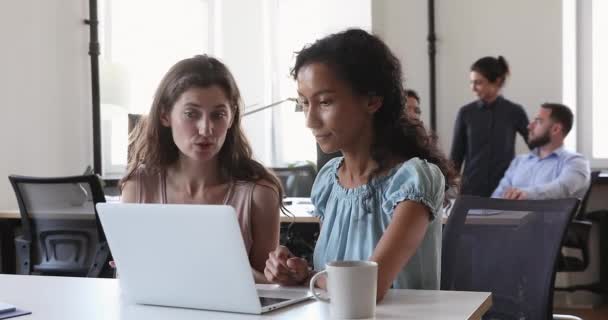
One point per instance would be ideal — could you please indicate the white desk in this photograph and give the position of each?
(67, 213)
(80, 212)
(54, 298)
(301, 208)
(301, 212)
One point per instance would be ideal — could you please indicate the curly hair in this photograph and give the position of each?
(367, 65)
(151, 144)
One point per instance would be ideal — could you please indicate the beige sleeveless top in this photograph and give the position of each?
(152, 188)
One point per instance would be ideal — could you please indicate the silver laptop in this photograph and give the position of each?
(190, 256)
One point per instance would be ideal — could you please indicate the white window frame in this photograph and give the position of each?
(585, 83)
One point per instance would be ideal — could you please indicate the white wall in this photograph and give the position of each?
(403, 25)
(527, 33)
(45, 126)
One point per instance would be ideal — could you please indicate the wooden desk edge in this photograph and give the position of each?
(10, 214)
(483, 308)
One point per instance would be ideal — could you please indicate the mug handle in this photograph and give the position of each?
(312, 286)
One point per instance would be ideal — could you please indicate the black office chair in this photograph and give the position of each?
(578, 238)
(61, 230)
(297, 181)
(507, 247)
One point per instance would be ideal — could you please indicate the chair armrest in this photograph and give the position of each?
(23, 255)
(596, 215)
(20, 240)
(577, 234)
(576, 237)
(100, 261)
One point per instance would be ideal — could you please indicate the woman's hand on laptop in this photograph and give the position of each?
(284, 268)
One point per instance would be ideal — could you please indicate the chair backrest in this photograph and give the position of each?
(297, 181)
(597, 203)
(583, 206)
(61, 230)
(507, 247)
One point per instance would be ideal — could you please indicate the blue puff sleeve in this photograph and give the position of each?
(416, 180)
(321, 189)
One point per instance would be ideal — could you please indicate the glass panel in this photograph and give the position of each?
(600, 78)
(569, 80)
(300, 23)
(140, 41)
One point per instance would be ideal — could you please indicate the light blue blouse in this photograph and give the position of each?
(353, 220)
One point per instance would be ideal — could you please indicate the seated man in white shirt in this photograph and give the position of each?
(548, 171)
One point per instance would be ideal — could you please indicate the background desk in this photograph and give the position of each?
(300, 232)
(301, 209)
(54, 298)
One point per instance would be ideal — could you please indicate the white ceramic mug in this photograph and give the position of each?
(352, 288)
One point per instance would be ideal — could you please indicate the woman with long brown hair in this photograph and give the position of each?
(191, 149)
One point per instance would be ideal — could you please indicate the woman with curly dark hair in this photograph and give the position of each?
(382, 200)
(191, 149)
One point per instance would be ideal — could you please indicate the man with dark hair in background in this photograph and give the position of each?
(548, 171)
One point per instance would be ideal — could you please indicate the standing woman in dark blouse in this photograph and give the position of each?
(485, 129)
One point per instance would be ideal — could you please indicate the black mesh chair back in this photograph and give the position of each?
(597, 203)
(61, 231)
(580, 250)
(577, 236)
(507, 247)
(297, 181)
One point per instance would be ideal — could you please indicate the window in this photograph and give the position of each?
(140, 40)
(599, 79)
(592, 80)
(256, 39)
(299, 23)
(569, 78)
